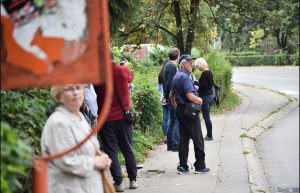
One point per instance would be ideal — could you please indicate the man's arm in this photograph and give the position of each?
(193, 98)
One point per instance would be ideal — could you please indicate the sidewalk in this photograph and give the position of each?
(233, 162)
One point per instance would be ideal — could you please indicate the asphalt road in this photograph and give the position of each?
(278, 147)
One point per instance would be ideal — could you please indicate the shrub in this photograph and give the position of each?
(15, 157)
(260, 60)
(26, 111)
(158, 56)
(295, 59)
(145, 100)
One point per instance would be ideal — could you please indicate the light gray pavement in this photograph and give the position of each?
(235, 167)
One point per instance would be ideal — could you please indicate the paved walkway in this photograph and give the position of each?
(235, 168)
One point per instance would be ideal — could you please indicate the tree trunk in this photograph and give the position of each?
(177, 14)
(278, 39)
(191, 27)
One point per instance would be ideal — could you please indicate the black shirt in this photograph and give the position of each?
(169, 72)
(205, 84)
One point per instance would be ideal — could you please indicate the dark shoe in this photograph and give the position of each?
(169, 149)
(119, 187)
(139, 166)
(182, 170)
(208, 138)
(175, 149)
(202, 171)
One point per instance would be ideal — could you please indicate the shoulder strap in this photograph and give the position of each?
(119, 100)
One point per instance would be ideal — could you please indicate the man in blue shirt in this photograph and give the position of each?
(183, 92)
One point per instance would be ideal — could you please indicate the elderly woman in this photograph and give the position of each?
(78, 171)
(205, 84)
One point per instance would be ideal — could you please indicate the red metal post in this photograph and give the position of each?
(39, 175)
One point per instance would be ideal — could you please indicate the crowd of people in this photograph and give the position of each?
(76, 115)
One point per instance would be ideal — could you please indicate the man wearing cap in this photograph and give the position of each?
(168, 74)
(183, 91)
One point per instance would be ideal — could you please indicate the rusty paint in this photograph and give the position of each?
(67, 61)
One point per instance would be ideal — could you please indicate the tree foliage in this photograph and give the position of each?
(279, 19)
(190, 23)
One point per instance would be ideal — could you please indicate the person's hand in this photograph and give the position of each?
(102, 162)
(163, 100)
(201, 101)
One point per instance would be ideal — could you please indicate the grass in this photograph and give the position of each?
(244, 135)
(246, 151)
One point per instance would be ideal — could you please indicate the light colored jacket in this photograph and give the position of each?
(74, 172)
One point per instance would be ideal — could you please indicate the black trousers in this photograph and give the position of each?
(117, 135)
(190, 129)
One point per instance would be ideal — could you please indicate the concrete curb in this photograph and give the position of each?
(257, 179)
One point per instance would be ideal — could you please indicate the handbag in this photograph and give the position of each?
(192, 110)
(129, 114)
(107, 185)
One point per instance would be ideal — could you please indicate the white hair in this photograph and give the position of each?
(200, 64)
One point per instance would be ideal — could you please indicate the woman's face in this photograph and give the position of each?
(72, 96)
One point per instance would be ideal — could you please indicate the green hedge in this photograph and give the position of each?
(263, 60)
(15, 158)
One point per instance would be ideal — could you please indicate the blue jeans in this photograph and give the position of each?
(165, 119)
(207, 100)
(173, 129)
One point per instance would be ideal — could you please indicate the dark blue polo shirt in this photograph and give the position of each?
(181, 85)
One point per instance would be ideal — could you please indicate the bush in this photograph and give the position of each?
(158, 56)
(295, 59)
(145, 101)
(26, 111)
(15, 157)
(260, 60)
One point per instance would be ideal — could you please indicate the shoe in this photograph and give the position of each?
(202, 171)
(139, 166)
(182, 170)
(208, 138)
(169, 149)
(120, 187)
(133, 184)
(175, 149)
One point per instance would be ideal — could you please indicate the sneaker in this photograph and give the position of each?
(202, 171)
(133, 184)
(120, 187)
(208, 138)
(139, 166)
(182, 170)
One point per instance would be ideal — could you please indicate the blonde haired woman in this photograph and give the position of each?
(76, 172)
(205, 84)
